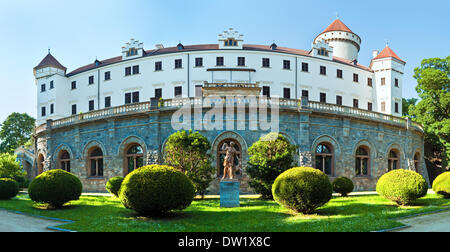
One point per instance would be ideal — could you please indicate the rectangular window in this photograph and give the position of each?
(355, 77)
(383, 81)
(287, 93)
(158, 66)
(74, 109)
(323, 70)
(107, 101)
(107, 75)
(198, 62)
(136, 69)
(198, 91)
(219, 61)
(305, 94)
(91, 105)
(241, 61)
(323, 97)
(287, 64)
(51, 85)
(178, 91)
(127, 71)
(369, 106)
(355, 103)
(135, 97)
(396, 82)
(339, 100)
(265, 62)
(396, 107)
(43, 112)
(158, 93)
(127, 98)
(52, 108)
(369, 82)
(266, 91)
(91, 80)
(305, 67)
(178, 63)
(339, 73)
(74, 85)
(383, 106)
(42, 87)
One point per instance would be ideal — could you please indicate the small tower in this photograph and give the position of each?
(132, 49)
(389, 69)
(49, 66)
(231, 39)
(345, 43)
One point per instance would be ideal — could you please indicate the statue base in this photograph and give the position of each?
(229, 193)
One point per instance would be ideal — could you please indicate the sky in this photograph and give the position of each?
(78, 32)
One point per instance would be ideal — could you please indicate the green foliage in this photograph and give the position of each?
(10, 168)
(113, 185)
(441, 185)
(156, 189)
(408, 104)
(402, 186)
(302, 189)
(433, 111)
(55, 188)
(343, 185)
(16, 131)
(188, 152)
(9, 188)
(271, 155)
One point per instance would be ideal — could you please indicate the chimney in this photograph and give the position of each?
(375, 53)
(159, 46)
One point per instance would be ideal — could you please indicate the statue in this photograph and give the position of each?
(229, 169)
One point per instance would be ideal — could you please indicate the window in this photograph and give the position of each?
(287, 93)
(42, 87)
(417, 162)
(131, 97)
(127, 71)
(96, 162)
(396, 107)
(339, 100)
(241, 61)
(355, 103)
(383, 106)
(287, 64)
(339, 73)
(322, 51)
(369, 82)
(127, 98)
(323, 97)
(383, 81)
(178, 91)
(362, 161)
(74, 109)
(324, 158)
(198, 91)
(91, 105)
(355, 77)
(107, 75)
(107, 101)
(136, 69)
(134, 158)
(305, 94)
(393, 160)
(265, 62)
(43, 112)
(52, 108)
(74, 85)
(135, 97)
(91, 80)
(230, 42)
(396, 82)
(132, 52)
(198, 62)
(305, 67)
(369, 106)
(178, 63)
(323, 70)
(266, 91)
(158, 66)
(158, 93)
(51, 85)
(64, 161)
(219, 61)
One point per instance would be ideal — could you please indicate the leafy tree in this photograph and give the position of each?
(433, 111)
(188, 152)
(270, 156)
(10, 168)
(407, 104)
(16, 131)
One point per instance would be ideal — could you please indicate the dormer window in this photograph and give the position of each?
(230, 42)
(132, 52)
(323, 52)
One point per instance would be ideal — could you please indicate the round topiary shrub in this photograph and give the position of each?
(302, 189)
(156, 189)
(402, 186)
(441, 185)
(343, 185)
(55, 188)
(113, 185)
(9, 188)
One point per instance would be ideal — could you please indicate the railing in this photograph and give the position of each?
(230, 85)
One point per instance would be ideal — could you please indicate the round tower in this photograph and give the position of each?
(345, 43)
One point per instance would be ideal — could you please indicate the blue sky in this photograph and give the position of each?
(79, 31)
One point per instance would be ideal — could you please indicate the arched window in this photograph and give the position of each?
(40, 164)
(417, 161)
(393, 160)
(96, 162)
(134, 158)
(362, 161)
(64, 161)
(324, 158)
(222, 153)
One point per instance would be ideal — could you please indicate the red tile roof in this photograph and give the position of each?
(387, 53)
(50, 61)
(337, 25)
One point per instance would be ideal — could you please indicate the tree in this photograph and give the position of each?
(270, 156)
(407, 105)
(10, 168)
(188, 152)
(433, 111)
(16, 131)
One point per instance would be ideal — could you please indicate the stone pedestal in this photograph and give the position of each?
(229, 193)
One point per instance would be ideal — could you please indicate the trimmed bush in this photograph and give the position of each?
(302, 189)
(156, 189)
(343, 185)
(402, 186)
(441, 185)
(9, 188)
(55, 188)
(113, 185)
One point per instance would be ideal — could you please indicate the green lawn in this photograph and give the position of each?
(355, 213)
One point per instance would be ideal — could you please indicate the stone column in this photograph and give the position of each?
(305, 154)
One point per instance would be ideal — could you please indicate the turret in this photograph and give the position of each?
(49, 66)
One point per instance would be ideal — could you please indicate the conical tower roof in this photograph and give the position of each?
(50, 61)
(337, 25)
(387, 53)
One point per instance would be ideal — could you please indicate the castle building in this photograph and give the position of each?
(112, 116)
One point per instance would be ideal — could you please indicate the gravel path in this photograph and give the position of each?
(13, 222)
(437, 222)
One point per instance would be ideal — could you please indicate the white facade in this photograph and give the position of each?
(189, 74)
